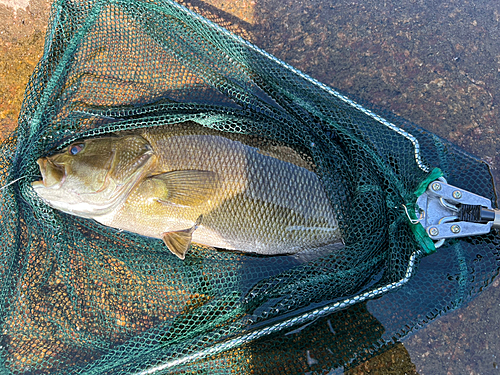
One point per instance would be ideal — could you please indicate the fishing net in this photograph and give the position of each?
(79, 297)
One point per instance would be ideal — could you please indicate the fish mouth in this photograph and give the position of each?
(53, 175)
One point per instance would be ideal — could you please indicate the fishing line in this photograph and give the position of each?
(17, 179)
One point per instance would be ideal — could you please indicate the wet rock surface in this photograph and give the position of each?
(435, 63)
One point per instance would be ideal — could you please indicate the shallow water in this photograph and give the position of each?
(435, 63)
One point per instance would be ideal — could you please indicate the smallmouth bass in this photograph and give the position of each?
(186, 183)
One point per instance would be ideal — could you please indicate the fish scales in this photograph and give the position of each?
(190, 183)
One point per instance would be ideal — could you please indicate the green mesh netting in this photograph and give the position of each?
(79, 297)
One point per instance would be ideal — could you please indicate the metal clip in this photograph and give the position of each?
(450, 212)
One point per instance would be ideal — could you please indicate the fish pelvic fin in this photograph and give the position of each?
(178, 242)
(186, 187)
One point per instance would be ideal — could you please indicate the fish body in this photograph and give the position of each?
(189, 183)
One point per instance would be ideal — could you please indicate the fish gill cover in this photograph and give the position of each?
(80, 297)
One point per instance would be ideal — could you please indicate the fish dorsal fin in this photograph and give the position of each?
(178, 242)
(187, 187)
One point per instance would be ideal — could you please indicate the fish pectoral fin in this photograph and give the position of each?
(187, 187)
(178, 242)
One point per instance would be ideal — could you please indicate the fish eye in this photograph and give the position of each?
(76, 148)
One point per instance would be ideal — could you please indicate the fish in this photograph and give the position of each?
(186, 183)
